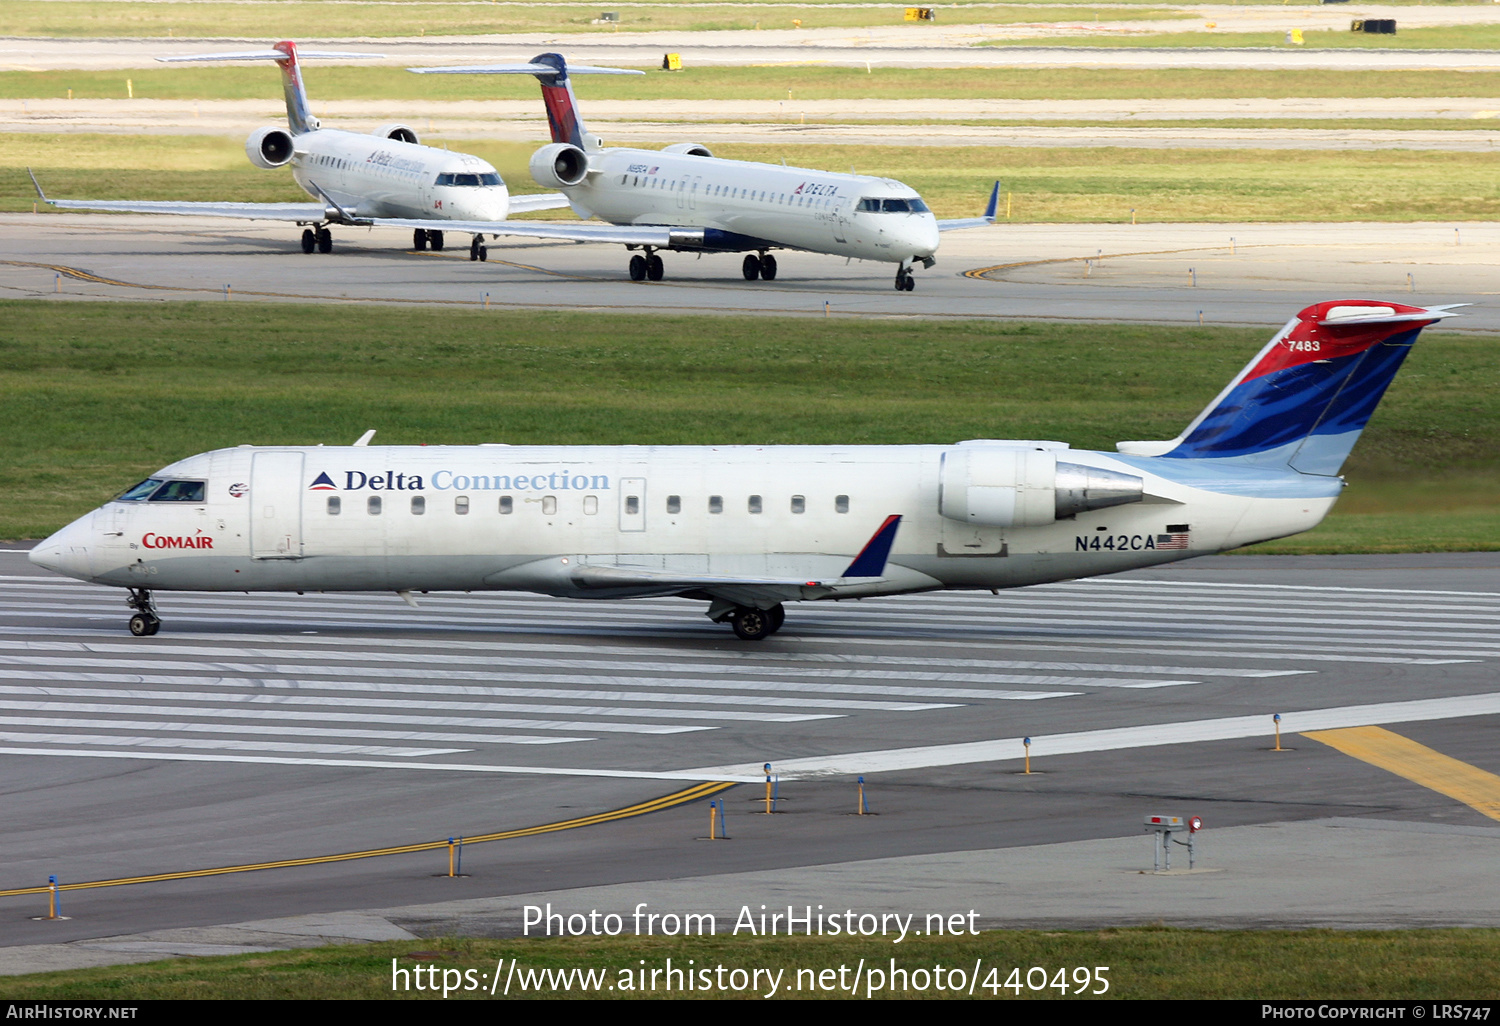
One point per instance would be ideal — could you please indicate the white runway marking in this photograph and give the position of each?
(121, 741)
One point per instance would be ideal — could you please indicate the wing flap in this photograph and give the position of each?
(629, 235)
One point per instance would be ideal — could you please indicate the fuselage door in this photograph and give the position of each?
(632, 503)
(276, 505)
(840, 218)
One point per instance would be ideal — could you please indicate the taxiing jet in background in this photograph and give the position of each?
(746, 529)
(684, 199)
(356, 177)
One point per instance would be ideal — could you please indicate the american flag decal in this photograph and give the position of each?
(1175, 538)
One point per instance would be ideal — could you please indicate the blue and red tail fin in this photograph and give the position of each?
(299, 117)
(1302, 402)
(557, 97)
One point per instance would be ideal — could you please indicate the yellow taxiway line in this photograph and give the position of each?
(1402, 756)
(667, 801)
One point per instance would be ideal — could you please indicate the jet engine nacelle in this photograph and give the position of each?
(1013, 487)
(397, 131)
(689, 149)
(559, 165)
(269, 147)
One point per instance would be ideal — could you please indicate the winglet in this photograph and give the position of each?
(38, 186)
(871, 560)
(994, 204)
(348, 218)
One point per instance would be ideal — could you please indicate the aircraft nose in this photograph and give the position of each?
(66, 552)
(924, 236)
(493, 205)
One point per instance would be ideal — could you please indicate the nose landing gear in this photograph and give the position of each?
(145, 622)
(905, 282)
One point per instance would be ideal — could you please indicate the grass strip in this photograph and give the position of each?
(1145, 962)
(100, 394)
(1061, 184)
(804, 82)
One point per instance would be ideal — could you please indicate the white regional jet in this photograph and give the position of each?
(685, 199)
(356, 177)
(748, 528)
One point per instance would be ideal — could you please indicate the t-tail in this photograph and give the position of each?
(555, 76)
(299, 116)
(1302, 402)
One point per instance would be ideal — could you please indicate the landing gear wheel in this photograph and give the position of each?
(435, 240)
(911, 282)
(637, 268)
(654, 268)
(419, 239)
(751, 267)
(484, 253)
(325, 240)
(309, 240)
(777, 613)
(751, 624)
(474, 249)
(143, 625)
(768, 267)
(901, 279)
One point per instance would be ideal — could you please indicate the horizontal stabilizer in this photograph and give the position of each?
(272, 55)
(523, 69)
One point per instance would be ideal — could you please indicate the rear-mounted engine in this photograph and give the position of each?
(269, 147)
(1000, 487)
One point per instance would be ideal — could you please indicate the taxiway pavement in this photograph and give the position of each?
(1162, 273)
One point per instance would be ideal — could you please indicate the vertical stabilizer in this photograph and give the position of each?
(562, 108)
(298, 117)
(1302, 402)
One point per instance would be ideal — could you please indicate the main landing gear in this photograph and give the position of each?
(320, 239)
(762, 266)
(477, 249)
(422, 238)
(751, 624)
(145, 622)
(648, 266)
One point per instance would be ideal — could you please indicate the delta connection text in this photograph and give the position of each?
(807, 921)
(448, 480)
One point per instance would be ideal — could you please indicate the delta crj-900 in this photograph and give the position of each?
(748, 528)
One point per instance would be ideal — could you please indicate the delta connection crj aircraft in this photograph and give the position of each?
(356, 177)
(748, 528)
(684, 199)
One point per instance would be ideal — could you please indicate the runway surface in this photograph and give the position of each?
(1232, 274)
(259, 728)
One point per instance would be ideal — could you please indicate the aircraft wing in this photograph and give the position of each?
(988, 217)
(252, 211)
(629, 235)
(537, 201)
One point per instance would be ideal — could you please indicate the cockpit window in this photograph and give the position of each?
(179, 491)
(468, 180)
(899, 205)
(140, 492)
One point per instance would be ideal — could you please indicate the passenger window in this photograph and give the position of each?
(755, 504)
(841, 504)
(549, 505)
(632, 505)
(373, 505)
(590, 505)
(461, 505)
(418, 505)
(716, 503)
(335, 505)
(799, 504)
(674, 504)
(507, 504)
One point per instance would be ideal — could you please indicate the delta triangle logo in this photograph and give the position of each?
(323, 483)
